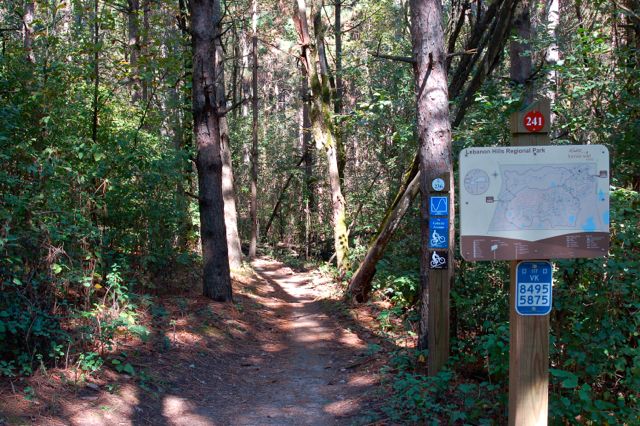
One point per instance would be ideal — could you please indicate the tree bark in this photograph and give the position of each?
(228, 191)
(322, 125)
(27, 30)
(133, 27)
(216, 275)
(520, 53)
(360, 285)
(434, 135)
(553, 55)
(96, 70)
(309, 180)
(253, 243)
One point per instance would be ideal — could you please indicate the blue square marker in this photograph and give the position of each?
(534, 288)
(439, 206)
(438, 233)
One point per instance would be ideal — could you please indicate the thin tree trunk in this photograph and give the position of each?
(339, 90)
(276, 207)
(520, 53)
(360, 285)
(244, 71)
(133, 28)
(216, 275)
(322, 125)
(309, 180)
(434, 135)
(144, 48)
(96, 70)
(228, 191)
(27, 30)
(553, 55)
(253, 243)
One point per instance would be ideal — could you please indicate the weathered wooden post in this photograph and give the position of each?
(525, 203)
(529, 335)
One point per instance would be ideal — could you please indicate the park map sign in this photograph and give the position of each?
(534, 202)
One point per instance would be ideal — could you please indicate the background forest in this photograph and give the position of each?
(99, 190)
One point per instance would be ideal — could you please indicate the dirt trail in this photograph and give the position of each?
(284, 359)
(303, 376)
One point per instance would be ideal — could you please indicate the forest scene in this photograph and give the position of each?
(217, 212)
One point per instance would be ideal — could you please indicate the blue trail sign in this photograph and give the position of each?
(438, 232)
(533, 288)
(439, 206)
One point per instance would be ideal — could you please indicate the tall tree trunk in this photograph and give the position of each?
(96, 70)
(133, 27)
(253, 243)
(339, 90)
(553, 54)
(144, 49)
(216, 275)
(322, 124)
(228, 191)
(434, 135)
(308, 157)
(244, 71)
(27, 30)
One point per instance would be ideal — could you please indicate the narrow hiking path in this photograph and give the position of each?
(280, 356)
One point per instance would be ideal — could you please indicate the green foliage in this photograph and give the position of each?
(445, 398)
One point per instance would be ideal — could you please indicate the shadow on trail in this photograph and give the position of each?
(278, 356)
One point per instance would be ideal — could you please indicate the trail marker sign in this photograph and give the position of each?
(439, 206)
(438, 232)
(534, 288)
(533, 121)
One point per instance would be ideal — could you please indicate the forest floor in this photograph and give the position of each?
(288, 351)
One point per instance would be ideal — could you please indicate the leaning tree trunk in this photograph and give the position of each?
(322, 126)
(253, 243)
(228, 191)
(206, 125)
(360, 284)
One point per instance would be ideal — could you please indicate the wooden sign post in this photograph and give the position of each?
(526, 203)
(440, 245)
(529, 335)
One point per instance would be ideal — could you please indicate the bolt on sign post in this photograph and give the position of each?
(526, 203)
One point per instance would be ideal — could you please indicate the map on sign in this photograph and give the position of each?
(534, 202)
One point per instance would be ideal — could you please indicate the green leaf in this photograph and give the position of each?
(56, 268)
(128, 368)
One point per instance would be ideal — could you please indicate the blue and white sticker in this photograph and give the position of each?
(439, 206)
(438, 233)
(534, 288)
(437, 184)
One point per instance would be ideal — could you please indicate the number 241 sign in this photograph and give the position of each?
(533, 121)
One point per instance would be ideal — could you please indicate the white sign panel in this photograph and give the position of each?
(533, 202)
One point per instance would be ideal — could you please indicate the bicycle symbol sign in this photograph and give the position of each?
(438, 233)
(439, 260)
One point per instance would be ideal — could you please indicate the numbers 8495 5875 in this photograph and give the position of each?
(533, 294)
